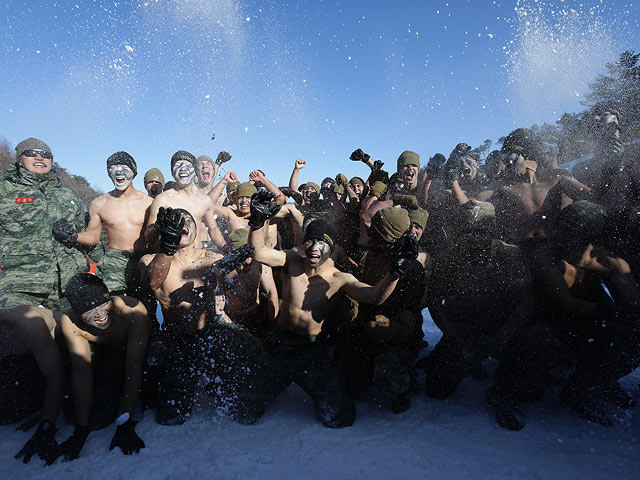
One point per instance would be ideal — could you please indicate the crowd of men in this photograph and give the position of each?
(321, 284)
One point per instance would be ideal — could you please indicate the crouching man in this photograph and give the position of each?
(196, 344)
(310, 284)
(99, 322)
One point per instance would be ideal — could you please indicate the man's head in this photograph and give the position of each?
(408, 168)
(204, 170)
(418, 218)
(606, 122)
(357, 184)
(310, 192)
(121, 168)
(89, 297)
(389, 224)
(154, 182)
(189, 229)
(494, 166)
(579, 224)
(183, 168)
(34, 155)
(244, 192)
(520, 151)
(319, 241)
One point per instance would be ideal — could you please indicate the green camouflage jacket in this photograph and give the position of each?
(30, 259)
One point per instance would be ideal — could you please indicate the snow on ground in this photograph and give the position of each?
(453, 438)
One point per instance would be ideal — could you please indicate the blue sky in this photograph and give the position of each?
(278, 80)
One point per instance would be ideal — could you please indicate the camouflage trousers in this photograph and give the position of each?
(306, 360)
(232, 365)
(119, 270)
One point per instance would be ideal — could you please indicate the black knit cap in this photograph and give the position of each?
(86, 291)
(321, 229)
(123, 158)
(183, 155)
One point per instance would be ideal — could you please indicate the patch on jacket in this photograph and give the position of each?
(24, 200)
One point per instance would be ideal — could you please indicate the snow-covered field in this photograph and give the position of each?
(454, 438)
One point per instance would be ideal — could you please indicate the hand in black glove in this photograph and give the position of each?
(377, 165)
(127, 439)
(233, 259)
(262, 209)
(65, 232)
(402, 252)
(223, 157)
(435, 166)
(289, 192)
(43, 443)
(453, 170)
(71, 447)
(359, 156)
(169, 225)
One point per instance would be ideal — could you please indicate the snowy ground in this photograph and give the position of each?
(454, 438)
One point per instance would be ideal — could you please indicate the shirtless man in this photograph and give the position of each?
(241, 289)
(310, 284)
(194, 341)
(239, 217)
(207, 170)
(120, 325)
(122, 212)
(189, 197)
(27, 333)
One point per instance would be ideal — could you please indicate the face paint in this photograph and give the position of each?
(183, 173)
(121, 176)
(470, 168)
(317, 251)
(98, 317)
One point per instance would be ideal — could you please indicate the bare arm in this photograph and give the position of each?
(269, 286)
(155, 269)
(361, 292)
(150, 234)
(280, 198)
(215, 193)
(262, 253)
(81, 374)
(293, 181)
(137, 337)
(461, 197)
(212, 225)
(91, 236)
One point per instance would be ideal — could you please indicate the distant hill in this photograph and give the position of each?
(77, 183)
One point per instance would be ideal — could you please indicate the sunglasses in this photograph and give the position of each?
(35, 153)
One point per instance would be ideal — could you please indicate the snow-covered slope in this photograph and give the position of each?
(454, 438)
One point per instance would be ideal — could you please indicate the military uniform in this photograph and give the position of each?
(34, 267)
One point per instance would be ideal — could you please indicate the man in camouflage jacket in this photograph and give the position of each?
(34, 267)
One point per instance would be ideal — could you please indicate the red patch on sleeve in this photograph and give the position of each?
(24, 200)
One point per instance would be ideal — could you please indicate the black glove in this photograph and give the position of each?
(64, 232)
(377, 165)
(402, 252)
(223, 157)
(435, 166)
(378, 176)
(453, 170)
(289, 192)
(71, 447)
(408, 202)
(43, 443)
(126, 438)
(233, 259)
(359, 156)
(262, 209)
(612, 149)
(169, 225)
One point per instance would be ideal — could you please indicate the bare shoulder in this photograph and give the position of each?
(165, 198)
(143, 198)
(210, 257)
(99, 202)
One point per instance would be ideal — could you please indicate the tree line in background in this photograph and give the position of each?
(617, 89)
